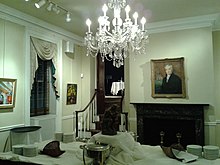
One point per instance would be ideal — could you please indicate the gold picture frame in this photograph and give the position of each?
(172, 86)
(7, 93)
(71, 94)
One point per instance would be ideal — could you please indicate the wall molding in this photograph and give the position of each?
(210, 123)
(132, 119)
(217, 121)
(31, 22)
(8, 128)
(183, 23)
(43, 117)
(68, 117)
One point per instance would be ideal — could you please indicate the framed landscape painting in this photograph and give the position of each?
(167, 78)
(7, 93)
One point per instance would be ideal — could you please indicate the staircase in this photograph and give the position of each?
(86, 119)
(88, 122)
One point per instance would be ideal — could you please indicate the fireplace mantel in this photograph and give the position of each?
(180, 113)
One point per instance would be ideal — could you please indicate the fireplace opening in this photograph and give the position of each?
(170, 127)
(186, 119)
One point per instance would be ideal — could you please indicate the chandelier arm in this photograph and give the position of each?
(108, 58)
(92, 47)
(111, 35)
(108, 34)
(110, 39)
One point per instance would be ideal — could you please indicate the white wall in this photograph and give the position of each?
(215, 114)
(195, 46)
(201, 73)
(15, 63)
(71, 75)
(73, 69)
(12, 57)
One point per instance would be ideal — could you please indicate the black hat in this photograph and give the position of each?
(52, 149)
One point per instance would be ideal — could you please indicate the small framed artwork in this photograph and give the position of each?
(7, 93)
(71, 94)
(167, 78)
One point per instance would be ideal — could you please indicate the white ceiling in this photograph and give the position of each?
(153, 10)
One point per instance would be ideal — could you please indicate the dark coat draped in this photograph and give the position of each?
(173, 86)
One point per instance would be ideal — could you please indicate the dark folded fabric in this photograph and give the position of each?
(168, 150)
(52, 149)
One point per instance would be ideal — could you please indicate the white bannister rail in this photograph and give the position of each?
(86, 118)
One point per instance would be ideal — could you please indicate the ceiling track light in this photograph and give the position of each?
(56, 9)
(52, 7)
(40, 3)
(68, 18)
(49, 8)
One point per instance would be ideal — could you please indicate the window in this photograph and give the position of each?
(40, 92)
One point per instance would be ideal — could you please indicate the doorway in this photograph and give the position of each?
(112, 74)
(106, 75)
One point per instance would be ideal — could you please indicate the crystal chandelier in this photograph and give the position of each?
(114, 45)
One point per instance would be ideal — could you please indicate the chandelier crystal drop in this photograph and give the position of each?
(114, 45)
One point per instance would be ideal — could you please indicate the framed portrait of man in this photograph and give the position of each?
(168, 78)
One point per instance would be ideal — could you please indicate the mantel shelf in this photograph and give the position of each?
(200, 104)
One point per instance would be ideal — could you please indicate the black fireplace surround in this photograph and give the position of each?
(186, 119)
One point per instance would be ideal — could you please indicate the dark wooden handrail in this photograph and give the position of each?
(93, 97)
(77, 112)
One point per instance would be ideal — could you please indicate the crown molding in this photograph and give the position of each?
(217, 23)
(31, 22)
(183, 23)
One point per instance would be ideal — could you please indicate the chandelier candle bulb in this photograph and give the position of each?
(135, 15)
(143, 21)
(88, 23)
(104, 9)
(127, 10)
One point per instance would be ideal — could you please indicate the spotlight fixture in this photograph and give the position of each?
(49, 8)
(68, 19)
(40, 3)
(56, 9)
